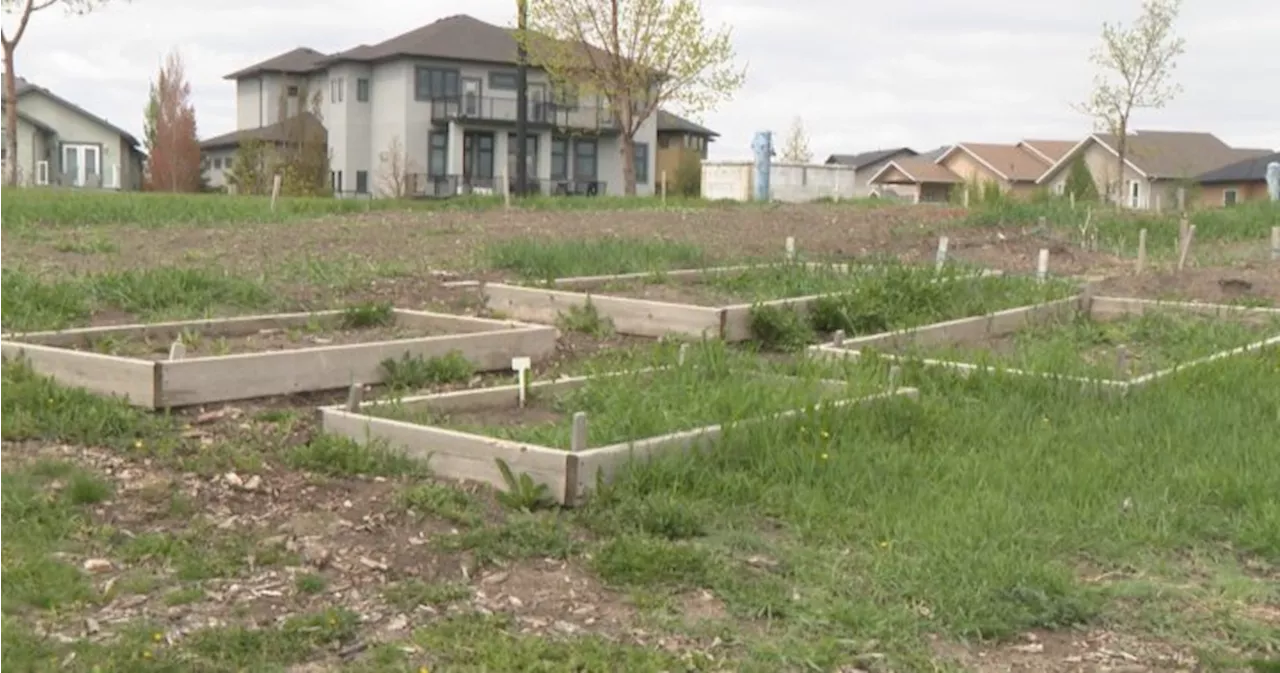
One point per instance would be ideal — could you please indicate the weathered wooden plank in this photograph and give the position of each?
(966, 329)
(167, 331)
(1113, 307)
(640, 317)
(102, 374)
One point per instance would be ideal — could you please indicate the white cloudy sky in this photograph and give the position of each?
(862, 75)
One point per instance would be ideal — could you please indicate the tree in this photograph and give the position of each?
(396, 170)
(796, 147)
(1080, 181)
(9, 42)
(635, 55)
(169, 131)
(1135, 70)
(303, 154)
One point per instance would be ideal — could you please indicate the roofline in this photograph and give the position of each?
(33, 88)
(984, 162)
(892, 164)
(1071, 154)
(1225, 181)
(1035, 151)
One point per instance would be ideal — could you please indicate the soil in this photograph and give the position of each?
(1253, 284)
(1092, 360)
(673, 291)
(263, 341)
(537, 411)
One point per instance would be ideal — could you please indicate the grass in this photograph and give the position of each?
(540, 259)
(1079, 346)
(715, 385)
(31, 208)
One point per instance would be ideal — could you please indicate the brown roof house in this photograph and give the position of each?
(915, 179)
(1157, 164)
(867, 164)
(1234, 183)
(442, 98)
(1015, 168)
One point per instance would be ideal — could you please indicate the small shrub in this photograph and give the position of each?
(368, 315)
(780, 328)
(585, 319)
(413, 371)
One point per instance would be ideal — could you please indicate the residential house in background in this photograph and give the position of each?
(1241, 181)
(678, 138)
(1157, 164)
(915, 179)
(440, 101)
(218, 154)
(867, 164)
(1049, 151)
(1014, 168)
(63, 144)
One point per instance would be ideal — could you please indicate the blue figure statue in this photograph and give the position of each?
(762, 146)
(1273, 180)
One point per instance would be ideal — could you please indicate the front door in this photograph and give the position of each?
(471, 89)
(81, 165)
(477, 157)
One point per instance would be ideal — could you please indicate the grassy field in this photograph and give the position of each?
(997, 523)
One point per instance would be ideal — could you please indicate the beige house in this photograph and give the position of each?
(1157, 164)
(1014, 167)
(1235, 183)
(916, 179)
(62, 144)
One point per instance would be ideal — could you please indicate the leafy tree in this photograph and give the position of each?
(688, 177)
(1080, 181)
(1135, 68)
(23, 9)
(169, 131)
(251, 171)
(795, 148)
(634, 54)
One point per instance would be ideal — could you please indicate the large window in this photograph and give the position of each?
(584, 160)
(507, 81)
(435, 83)
(362, 90)
(438, 154)
(531, 161)
(336, 89)
(362, 182)
(642, 163)
(559, 159)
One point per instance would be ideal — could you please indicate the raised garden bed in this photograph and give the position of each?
(577, 430)
(259, 356)
(1116, 343)
(728, 302)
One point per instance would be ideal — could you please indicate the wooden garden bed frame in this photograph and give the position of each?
(568, 474)
(1006, 322)
(645, 317)
(488, 344)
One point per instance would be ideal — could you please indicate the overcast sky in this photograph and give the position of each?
(919, 73)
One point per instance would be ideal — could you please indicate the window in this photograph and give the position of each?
(664, 142)
(362, 90)
(559, 159)
(1229, 197)
(336, 86)
(507, 81)
(362, 182)
(565, 96)
(642, 163)
(435, 83)
(292, 91)
(42, 172)
(1133, 193)
(438, 155)
(531, 161)
(217, 163)
(584, 160)
(336, 178)
(1060, 188)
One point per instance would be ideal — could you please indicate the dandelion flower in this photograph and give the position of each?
(824, 456)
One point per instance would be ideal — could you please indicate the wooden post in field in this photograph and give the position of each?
(683, 354)
(895, 375)
(355, 397)
(964, 197)
(837, 339)
(1183, 226)
(1142, 251)
(1042, 265)
(940, 260)
(521, 366)
(506, 188)
(1275, 244)
(1159, 209)
(664, 189)
(1182, 199)
(578, 441)
(1186, 247)
(275, 190)
(177, 350)
(1071, 198)
(790, 248)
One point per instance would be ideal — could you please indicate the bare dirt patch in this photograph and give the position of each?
(261, 341)
(1256, 284)
(1092, 651)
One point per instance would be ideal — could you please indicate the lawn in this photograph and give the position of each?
(996, 523)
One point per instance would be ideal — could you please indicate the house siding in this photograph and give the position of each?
(1102, 165)
(1214, 196)
(118, 165)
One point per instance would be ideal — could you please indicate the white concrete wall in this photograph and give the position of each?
(787, 182)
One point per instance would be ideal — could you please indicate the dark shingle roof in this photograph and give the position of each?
(675, 123)
(276, 133)
(1176, 154)
(25, 87)
(1249, 170)
(296, 61)
(865, 158)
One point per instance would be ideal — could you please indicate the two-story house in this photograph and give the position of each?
(435, 110)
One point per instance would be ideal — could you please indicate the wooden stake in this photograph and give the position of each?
(275, 190)
(790, 248)
(177, 350)
(578, 441)
(1142, 251)
(683, 354)
(1071, 197)
(940, 260)
(355, 397)
(522, 365)
(895, 375)
(1275, 243)
(1086, 300)
(964, 197)
(506, 188)
(837, 339)
(664, 188)
(1186, 247)
(1042, 265)
(1183, 227)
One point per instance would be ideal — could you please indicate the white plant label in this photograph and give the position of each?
(521, 366)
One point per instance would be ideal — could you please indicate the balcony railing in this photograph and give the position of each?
(541, 113)
(421, 185)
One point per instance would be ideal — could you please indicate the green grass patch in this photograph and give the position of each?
(542, 259)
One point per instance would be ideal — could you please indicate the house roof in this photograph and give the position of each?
(1049, 150)
(1166, 155)
(866, 158)
(273, 133)
(1009, 162)
(668, 121)
(24, 87)
(920, 171)
(1252, 169)
(933, 154)
(295, 61)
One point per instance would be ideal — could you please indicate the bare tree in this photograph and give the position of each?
(395, 170)
(795, 148)
(1135, 70)
(23, 9)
